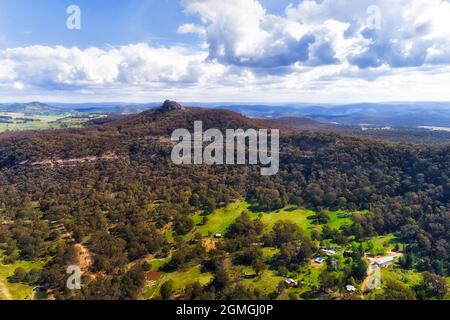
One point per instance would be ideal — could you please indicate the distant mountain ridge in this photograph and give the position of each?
(414, 114)
(381, 114)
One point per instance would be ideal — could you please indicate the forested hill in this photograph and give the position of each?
(112, 188)
(118, 134)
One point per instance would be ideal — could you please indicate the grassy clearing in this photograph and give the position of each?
(308, 280)
(301, 217)
(43, 122)
(18, 291)
(180, 280)
(157, 264)
(409, 277)
(267, 282)
(169, 236)
(269, 253)
(339, 218)
(380, 245)
(309, 277)
(220, 220)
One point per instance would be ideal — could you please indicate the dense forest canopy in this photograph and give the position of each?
(112, 187)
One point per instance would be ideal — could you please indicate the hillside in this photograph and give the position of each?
(112, 189)
(159, 121)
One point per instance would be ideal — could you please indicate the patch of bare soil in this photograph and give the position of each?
(109, 156)
(4, 292)
(209, 244)
(85, 258)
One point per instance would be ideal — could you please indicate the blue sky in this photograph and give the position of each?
(113, 22)
(234, 50)
(104, 22)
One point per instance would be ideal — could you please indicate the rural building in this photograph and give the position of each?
(218, 236)
(290, 282)
(350, 288)
(320, 260)
(329, 252)
(384, 262)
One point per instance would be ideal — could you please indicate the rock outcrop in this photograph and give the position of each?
(169, 105)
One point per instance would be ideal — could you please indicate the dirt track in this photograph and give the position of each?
(4, 292)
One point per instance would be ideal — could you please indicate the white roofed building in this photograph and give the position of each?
(384, 262)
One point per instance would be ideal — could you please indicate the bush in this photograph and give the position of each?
(18, 276)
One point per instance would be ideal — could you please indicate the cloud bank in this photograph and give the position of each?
(317, 50)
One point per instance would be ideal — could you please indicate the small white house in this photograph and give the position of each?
(320, 260)
(329, 252)
(218, 236)
(290, 282)
(350, 288)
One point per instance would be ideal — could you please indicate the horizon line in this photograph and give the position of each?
(228, 102)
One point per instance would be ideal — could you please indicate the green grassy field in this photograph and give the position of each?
(339, 219)
(180, 280)
(18, 291)
(380, 245)
(268, 253)
(220, 220)
(156, 264)
(301, 217)
(43, 122)
(409, 277)
(267, 282)
(309, 277)
(308, 281)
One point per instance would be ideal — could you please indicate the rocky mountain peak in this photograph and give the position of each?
(169, 105)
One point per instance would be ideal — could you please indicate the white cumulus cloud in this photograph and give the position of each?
(323, 50)
(242, 33)
(191, 28)
(60, 67)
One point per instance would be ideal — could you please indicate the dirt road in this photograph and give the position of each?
(4, 292)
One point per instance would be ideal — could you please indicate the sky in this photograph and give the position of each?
(259, 51)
